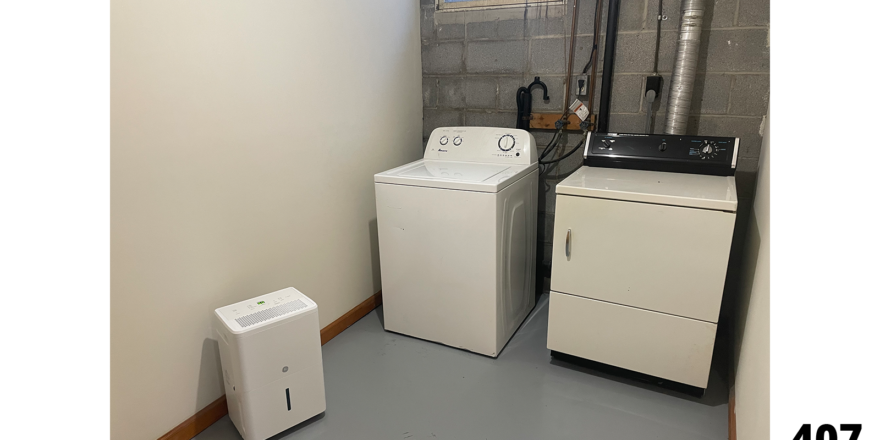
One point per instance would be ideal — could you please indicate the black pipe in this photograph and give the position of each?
(608, 65)
(524, 103)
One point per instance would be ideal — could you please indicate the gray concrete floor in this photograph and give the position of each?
(383, 385)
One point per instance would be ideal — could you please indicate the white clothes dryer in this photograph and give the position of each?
(457, 238)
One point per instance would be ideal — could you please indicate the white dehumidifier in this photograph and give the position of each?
(270, 349)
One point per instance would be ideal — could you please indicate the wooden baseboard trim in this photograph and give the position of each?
(215, 410)
(731, 416)
(199, 422)
(345, 321)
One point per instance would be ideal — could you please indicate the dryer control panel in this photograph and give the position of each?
(662, 152)
(482, 144)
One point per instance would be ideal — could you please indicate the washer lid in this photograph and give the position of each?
(677, 189)
(468, 176)
(461, 171)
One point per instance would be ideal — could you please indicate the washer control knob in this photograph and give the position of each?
(456, 141)
(662, 146)
(444, 140)
(506, 142)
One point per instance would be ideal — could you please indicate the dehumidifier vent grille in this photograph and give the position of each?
(272, 312)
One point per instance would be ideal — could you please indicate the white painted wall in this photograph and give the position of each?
(244, 140)
(752, 384)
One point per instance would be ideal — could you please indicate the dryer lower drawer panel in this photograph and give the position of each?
(666, 346)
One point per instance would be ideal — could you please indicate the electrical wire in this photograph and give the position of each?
(595, 47)
(566, 155)
(590, 61)
(554, 142)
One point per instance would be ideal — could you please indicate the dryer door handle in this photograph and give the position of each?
(568, 244)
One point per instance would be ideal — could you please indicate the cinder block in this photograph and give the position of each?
(511, 29)
(542, 138)
(750, 95)
(496, 56)
(741, 50)
(434, 118)
(480, 93)
(745, 128)
(451, 31)
(427, 23)
(490, 119)
(632, 16)
(507, 87)
(720, 13)
(585, 18)
(429, 92)
(539, 24)
(442, 58)
(496, 29)
(635, 52)
(626, 93)
(451, 93)
(753, 13)
(626, 123)
(548, 55)
(711, 94)
(482, 29)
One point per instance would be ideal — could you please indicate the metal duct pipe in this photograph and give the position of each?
(683, 74)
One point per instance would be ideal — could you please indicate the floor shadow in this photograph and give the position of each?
(294, 429)
(380, 313)
(375, 264)
(210, 375)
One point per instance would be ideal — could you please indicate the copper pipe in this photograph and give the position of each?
(594, 55)
(574, 23)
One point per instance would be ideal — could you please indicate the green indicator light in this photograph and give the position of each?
(262, 302)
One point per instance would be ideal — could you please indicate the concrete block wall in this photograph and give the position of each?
(474, 61)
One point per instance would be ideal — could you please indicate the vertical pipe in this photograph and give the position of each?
(594, 55)
(608, 64)
(684, 73)
(574, 24)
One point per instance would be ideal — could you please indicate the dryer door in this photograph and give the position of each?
(663, 258)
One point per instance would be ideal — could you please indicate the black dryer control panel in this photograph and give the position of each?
(662, 152)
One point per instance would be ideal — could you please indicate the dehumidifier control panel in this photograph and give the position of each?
(264, 308)
(482, 144)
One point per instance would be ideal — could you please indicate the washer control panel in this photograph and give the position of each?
(482, 144)
(661, 152)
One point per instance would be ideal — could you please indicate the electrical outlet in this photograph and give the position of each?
(583, 85)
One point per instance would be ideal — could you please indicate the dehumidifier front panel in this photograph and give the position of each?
(285, 403)
(271, 353)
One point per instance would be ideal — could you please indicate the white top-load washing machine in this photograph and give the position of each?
(641, 241)
(457, 238)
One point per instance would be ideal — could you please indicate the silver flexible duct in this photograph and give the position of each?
(683, 74)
